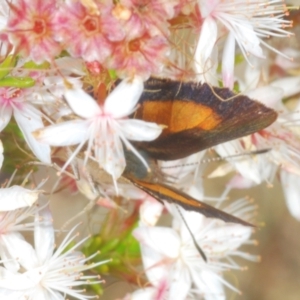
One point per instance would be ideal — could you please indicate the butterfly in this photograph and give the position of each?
(196, 117)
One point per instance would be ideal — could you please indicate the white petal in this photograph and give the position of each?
(181, 282)
(230, 237)
(268, 95)
(63, 134)
(252, 74)
(287, 64)
(246, 38)
(290, 184)
(122, 100)
(5, 116)
(209, 283)
(23, 252)
(240, 182)
(138, 130)
(207, 7)
(16, 197)
(147, 293)
(6, 240)
(256, 170)
(160, 239)
(82, 103)
(43, 234)
(228, 61)
(150, 211)
(206, 43)
(29, 119)
(110, 155)
(13, 281)
(154, 265)
(289, 85)
(158, 246)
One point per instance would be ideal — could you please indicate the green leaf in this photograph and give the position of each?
(32, 65)
(112, 74)
(6, 66)
(110, 245)
(16, 152)
(18, 82)
(92, 245)
(97, 288)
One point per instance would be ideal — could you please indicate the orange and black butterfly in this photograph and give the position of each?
(196, 117)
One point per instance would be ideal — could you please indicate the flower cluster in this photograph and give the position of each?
(42, 271)
(72, 73)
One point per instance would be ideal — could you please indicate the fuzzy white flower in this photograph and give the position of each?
(14, 102)
(248, 23)
(103, 128)
(281, 138)
(46, 274)
(171, 257)
(12, 222)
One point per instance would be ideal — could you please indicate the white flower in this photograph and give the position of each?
(13, 102)
(248, 23)
(13, 211)
(104, 128)
(282, 138)
(11, 224)
(47, 273)
(170, 255)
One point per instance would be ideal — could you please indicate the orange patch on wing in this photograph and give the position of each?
(179, 115)
(157, 188)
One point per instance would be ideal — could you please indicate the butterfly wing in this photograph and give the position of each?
(197, 116)
(161, 191)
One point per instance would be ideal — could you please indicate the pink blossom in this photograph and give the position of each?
(87, 35)
(143, 56)
(149, 17)
(12, 102)
(30, 28)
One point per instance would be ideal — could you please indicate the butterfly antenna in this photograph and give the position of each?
(214, 159)
(201, 252)
(254, 152)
